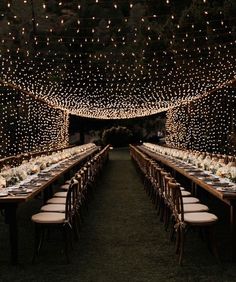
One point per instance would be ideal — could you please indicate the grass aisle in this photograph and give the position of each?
(122, 240)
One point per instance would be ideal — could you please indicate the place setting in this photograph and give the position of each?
(229, 189)
(21, 191)
(3, 193)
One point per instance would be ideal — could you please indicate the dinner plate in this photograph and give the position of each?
(208, 178)
(195, 170)
(223, 184)
(226, 189)
(3, 194)
(45, 178)
(21, 191)
(209, 182)
(204, 177)
(37, 184)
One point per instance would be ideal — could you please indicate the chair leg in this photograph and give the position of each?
(177, 243)
(80, 218)
(76, 227)
(202, 233)
(37, 239)
(162, 210)
(182, 239)
(145, 184)
(153, 194)
(156, 200)
(159, 202)
(65, 237)
(167, 218)
(172, 229)
(212, 242)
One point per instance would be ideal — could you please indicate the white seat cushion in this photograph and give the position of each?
(60, 194)
(185, 193)
(190, 200)
(200, 218)
(195, 208)
(56, 200)
(181, 187)
(53, 208)
(48, 217)
(65, 186)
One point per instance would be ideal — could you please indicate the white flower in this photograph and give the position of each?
(10, 176)
(3, 182)
(224, 172)
(21, 172)
(206, 163)
(199, 160)
(233, 173)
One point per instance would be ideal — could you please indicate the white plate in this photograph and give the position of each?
(226, 189)
(21, 191)
(29, 190)
(3, 194)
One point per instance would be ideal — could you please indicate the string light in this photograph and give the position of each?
(88, 64)
(28, 125)
(204, 124)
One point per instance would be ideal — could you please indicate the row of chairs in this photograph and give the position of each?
(175, 205)
(64, 209)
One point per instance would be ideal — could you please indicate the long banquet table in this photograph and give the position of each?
(44, 180)
(227, 197)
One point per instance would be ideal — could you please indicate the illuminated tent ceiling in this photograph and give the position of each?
(117, 59)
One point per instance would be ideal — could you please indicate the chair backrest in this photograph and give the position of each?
(79, 179)
(71, 200)
(152, 169)
(168, 194)
(83, 178)
(158, 173)
(163, 174)
(175, 194)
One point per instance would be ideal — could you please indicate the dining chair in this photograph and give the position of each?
(62, 220)
(195, 206)
(186, 220)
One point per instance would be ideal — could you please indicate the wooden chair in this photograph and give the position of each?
(163, 195)
(156, 185)
(64, 220)
(185, 220)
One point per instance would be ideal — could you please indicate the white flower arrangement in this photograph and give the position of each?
(215, 165)
(199, 160)
(233, 173)
(227, 171)
(2, 182)
(10, 176)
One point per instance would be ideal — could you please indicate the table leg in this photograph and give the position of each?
(194, 189)
(11, 220)
(232, 230)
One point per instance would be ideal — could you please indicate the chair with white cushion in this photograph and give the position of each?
(64, 220)
(166, 177)
(185, 220)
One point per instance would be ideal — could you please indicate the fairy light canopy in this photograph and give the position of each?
(117, 59)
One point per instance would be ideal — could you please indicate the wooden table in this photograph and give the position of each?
(226, 197)
(11, 202)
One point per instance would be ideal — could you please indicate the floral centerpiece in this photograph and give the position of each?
(215, 164)
(11, 175)
(2, 182)
(228, 171)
